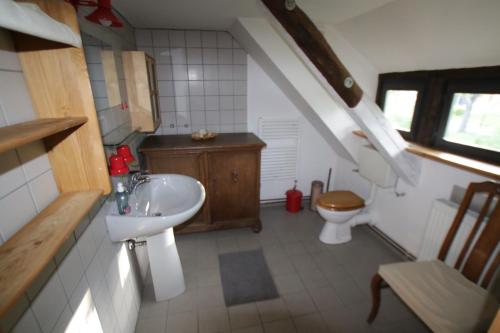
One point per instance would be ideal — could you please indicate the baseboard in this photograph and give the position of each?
(398, 248)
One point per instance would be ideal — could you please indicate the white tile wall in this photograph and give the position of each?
(26, 181)
(200, 74)
(62, 298)
(85, 293)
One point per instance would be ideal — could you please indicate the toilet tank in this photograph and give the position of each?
(373, 167)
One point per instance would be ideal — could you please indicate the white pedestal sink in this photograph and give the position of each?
(158, 206)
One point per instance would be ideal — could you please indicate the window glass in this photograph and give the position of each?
(399, 106)
(474, 120)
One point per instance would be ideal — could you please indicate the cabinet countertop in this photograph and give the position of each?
(185, 142)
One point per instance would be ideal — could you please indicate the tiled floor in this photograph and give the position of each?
(323, 288)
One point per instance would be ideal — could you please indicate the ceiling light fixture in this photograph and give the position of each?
(103, 15)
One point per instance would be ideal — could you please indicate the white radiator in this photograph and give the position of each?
(280, 157)
(441, 216)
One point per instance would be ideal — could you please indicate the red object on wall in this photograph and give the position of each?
(293, 200)
(124, 151)
(103, 15)
(117, 165)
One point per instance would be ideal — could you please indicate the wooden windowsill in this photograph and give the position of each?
(464, 163)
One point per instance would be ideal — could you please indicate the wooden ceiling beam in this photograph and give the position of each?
(314, 45)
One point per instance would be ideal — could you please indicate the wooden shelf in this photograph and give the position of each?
(464, 163)
(19, 134)
(27, 253)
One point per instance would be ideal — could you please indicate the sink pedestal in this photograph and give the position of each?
(165, 264)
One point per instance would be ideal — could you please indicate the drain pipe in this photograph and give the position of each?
(365, 217)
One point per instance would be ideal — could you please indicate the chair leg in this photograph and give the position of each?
(376, 285)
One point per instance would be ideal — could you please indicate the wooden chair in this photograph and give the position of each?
(449, 299)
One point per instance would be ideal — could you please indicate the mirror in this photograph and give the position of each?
(107, 78)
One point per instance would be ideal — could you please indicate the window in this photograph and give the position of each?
(453, 110)
(400, 101)
(399, 107)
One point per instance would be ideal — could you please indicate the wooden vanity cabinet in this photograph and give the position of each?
(187, 163)
(229, 168)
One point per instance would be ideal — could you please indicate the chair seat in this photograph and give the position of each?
(442, 297)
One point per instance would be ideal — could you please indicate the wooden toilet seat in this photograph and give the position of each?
(340, 201)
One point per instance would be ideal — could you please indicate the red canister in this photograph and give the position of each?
(117, 165)
(124, 151)
(293, 199)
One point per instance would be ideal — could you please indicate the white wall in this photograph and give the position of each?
(404, 218)
(265, 99)
(409, 35)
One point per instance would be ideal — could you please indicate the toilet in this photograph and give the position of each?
(339, 208)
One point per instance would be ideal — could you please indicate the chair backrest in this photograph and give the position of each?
(479, 255)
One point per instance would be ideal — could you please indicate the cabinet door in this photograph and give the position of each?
(189, 164)
(153, 91)
(234, 184)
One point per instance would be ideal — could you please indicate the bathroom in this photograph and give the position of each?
(71, 263)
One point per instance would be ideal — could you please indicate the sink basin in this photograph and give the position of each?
(168, 200)
(156, 208)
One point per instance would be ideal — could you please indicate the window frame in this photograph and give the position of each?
(429, 121)
(465, 86)
(404, 84)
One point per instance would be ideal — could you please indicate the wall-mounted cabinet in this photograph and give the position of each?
(142, 90)
(110, 72)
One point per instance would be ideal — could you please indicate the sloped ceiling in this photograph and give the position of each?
(221, 14)
(427, 34)
(393, 35)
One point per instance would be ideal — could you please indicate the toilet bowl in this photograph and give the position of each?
(338, 208)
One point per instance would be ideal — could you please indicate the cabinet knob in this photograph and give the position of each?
(235, 176)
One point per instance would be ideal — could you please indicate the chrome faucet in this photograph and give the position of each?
(138, 178)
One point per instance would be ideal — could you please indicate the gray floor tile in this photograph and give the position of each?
(299, 304)
(182, 303)
(325, 298)
(213, 320)
(313, 279)
(153, 324)
(208, 297)
(253, 329)
(280, 326)
(295, 248)
(184, 322)
(272, 310)
(288, 283)
(349, 292)
(151, 308)
(310, 323)
(244, 315)
(324, 288)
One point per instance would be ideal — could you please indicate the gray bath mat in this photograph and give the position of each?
(246, 277)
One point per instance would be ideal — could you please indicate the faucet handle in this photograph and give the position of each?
(135, 175)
